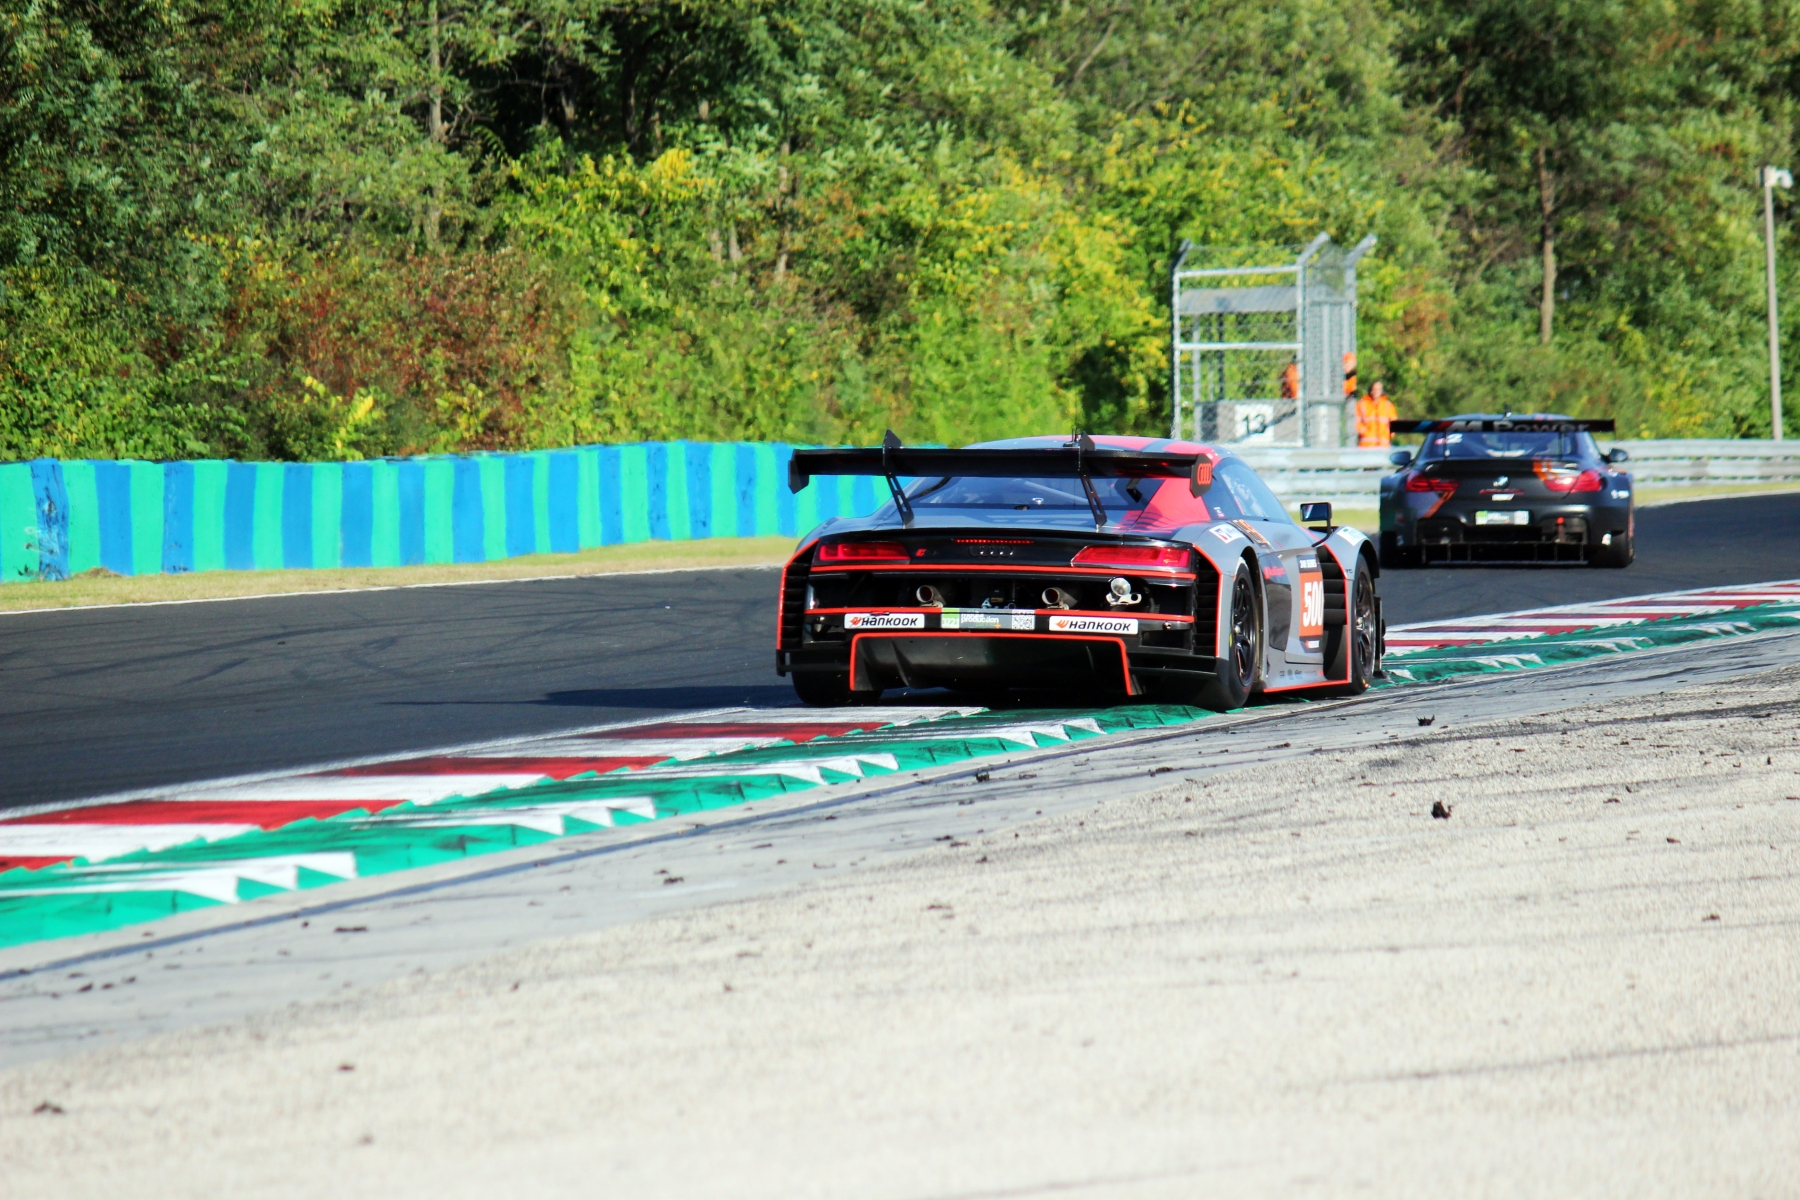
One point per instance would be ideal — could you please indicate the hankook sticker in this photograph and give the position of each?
(1093, 625)
(884, 620)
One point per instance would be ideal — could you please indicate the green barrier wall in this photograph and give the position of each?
(59, 518)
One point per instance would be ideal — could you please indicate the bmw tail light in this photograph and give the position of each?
(1425, 483)
(1131, 557)
(862, 553)
(1588, 481)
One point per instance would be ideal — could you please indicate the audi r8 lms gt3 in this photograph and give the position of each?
(1112, 566)
(1487, 488)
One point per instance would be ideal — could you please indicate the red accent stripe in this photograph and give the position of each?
(450, 764)
(1124, 658)
(268, 814)
(30, 863)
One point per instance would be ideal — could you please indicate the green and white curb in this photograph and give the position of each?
(110, 863)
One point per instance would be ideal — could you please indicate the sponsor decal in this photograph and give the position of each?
(1275, 573)
(1348, 534)
(1011, 619)
(1621, 495)
(1093, 625)
(1253, 533)
(1312, 605)
(884, 620)
(1226, 534)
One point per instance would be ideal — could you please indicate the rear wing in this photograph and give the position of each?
(1503, 425)
(1078, 459)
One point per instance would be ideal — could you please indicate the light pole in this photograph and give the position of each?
(1772, 178)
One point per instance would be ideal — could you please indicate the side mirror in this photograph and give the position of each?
(1400, 458)
(1617, 455)
(1320, 513)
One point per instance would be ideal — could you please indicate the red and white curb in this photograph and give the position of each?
(1597, 616)
(109, 827)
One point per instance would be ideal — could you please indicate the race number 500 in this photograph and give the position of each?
(1312, 605)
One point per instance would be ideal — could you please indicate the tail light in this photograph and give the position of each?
(1587, 481)
(1131, 556)
(862, 553)
(1426, 483)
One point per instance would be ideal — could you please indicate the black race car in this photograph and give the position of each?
(1109, 567)
(1508, 488)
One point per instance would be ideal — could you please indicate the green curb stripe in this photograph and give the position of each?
(65, 899)
(1514, 654)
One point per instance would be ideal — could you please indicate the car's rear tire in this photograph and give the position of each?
(829, 689)
(1394, 556)
(1237, 669)
(1618, 554)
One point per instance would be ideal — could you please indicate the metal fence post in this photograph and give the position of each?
(1772, 178)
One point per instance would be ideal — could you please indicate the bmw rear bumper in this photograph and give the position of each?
(1551, 532)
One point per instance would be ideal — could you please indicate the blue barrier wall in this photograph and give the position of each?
(59, 518)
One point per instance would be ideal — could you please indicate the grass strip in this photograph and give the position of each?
(91, 589)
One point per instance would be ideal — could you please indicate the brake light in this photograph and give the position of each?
(1426, 483)
(862, 552)
(1131, 556)
(1588, 481)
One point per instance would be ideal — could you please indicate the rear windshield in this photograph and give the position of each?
(1236, 493)
(1514, 445)
(1027, 495)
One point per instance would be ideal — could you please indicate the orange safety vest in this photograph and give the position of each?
(1372, 416)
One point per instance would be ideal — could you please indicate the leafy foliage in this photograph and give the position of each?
(330, 228)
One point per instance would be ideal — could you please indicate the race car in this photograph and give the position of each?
(1111, 567)
(1507, 488)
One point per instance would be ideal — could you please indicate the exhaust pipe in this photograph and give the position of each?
(1057, 598)
(930, 597)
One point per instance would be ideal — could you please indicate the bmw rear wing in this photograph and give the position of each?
(1078, 459)
(1503, 425)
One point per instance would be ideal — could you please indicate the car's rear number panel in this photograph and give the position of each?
(999, 620)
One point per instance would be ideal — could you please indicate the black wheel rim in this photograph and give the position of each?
(1363, 632)
(1243, 628)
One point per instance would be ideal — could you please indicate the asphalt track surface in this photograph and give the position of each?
(118, 699)
(228, 962)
